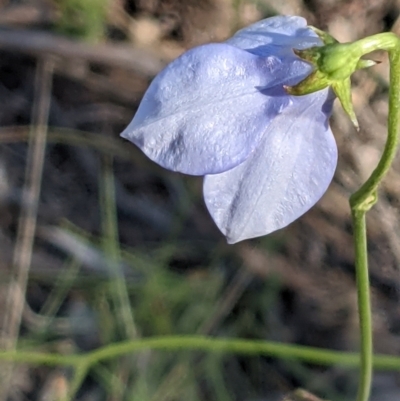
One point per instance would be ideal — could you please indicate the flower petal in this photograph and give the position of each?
(276, 35)
(287, 174)
(208, 109)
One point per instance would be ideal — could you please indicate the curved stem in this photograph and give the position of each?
(365, 197)
(382, 41)
(362, 201)
(200, 343)
(83, 362)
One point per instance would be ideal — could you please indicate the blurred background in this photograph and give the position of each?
(99, 245)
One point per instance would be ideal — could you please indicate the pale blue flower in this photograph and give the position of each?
(220, 110)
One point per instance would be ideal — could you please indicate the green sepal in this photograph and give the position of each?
(333, 65)
(326, 38)
(314, 82)
(342, 90)
(311, 55)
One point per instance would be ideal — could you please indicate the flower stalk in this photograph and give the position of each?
(334, 64)
(362, 201)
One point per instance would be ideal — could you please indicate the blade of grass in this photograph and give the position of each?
(111, 246)
(110, 243)
(61, 288)
(224, 305)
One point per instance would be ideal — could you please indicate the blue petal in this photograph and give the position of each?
(276, 35)
(208, 109)
(287, 174)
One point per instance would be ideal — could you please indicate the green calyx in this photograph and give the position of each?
(334, 64)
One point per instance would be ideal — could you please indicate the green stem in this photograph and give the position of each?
(362, 201)
(382, 41)
(364, 304)
(200, 343)
(77, 380)
(365, 197)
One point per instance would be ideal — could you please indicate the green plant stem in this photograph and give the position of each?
(77, 380)
(365, 197)
(364, 304)
(201, 343)
(361, 202)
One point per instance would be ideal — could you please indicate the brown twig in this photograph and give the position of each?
(112, 55)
